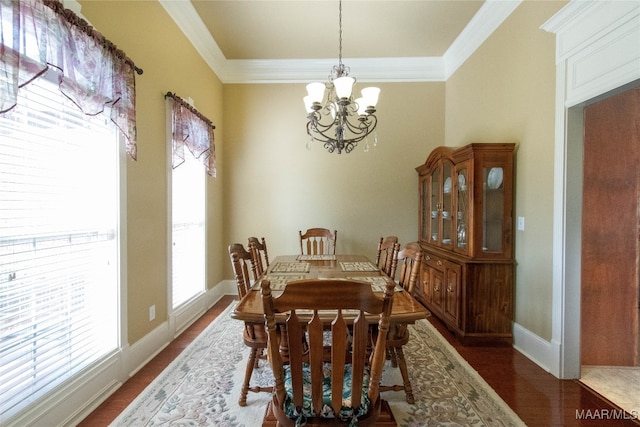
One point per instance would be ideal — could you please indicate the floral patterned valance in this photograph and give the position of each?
(193, 130)
(36, 35)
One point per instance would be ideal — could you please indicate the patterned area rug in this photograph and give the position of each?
(201, 386)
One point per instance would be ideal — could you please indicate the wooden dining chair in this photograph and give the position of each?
(318, 241)
(326, 381)
(254, 334)
(260, 256)
(387, 255)
(409, 259)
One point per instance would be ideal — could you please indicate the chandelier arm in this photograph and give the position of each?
(319, 132)
(364, 127)
(321, 128)
(360, 130)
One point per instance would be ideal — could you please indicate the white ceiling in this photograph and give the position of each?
(267, 41)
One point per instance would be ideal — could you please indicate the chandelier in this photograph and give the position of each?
(335, 119)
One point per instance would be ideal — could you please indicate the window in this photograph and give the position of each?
(59, 263)
(188, 229)
(192, 153)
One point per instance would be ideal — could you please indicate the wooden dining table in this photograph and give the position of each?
(285, 268)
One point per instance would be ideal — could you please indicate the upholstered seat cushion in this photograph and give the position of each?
(345, 413)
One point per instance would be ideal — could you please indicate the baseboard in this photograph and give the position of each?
(191, 311)
(67, 404)
(543, 353)
(145, 349)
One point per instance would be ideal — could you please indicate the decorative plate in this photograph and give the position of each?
(447, 185)
(494, 180)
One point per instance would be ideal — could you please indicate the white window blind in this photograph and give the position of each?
(58, 244)
(188, 230)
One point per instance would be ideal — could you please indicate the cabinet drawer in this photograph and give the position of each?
(434, 261)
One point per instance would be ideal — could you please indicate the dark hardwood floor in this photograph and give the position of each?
(536, 396)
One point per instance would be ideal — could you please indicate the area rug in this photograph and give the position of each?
(201, 386)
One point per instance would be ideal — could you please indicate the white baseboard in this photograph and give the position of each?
(145, 349)
(543, 353)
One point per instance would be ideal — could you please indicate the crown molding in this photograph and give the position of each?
(413, 69)
(482, 25)
(304, 71)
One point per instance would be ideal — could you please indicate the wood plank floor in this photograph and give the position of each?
(536, 396)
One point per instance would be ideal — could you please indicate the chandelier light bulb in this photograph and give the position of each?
(370, 95)
(316, 92)
(343, 86)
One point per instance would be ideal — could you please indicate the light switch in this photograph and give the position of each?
(521, 223)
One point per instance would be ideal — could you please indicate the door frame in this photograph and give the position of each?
(597, 55)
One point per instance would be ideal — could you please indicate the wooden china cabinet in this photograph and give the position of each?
(466, 234)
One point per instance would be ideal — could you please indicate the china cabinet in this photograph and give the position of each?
(466, 234)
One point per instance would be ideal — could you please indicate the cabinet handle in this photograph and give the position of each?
(425, 282)
(427, 258)
(449, 288)
(439, 262)
(436, 288)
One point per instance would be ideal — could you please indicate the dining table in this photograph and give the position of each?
(286, 268)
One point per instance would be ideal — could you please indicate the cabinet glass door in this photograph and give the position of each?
(425, 208)
(434, 204)
(462, 207)
(492, 209)
(447, 203)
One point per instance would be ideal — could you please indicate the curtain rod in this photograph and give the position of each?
(190, 108)
(83, 25)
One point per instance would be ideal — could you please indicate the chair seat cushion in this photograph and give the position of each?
(345, 413)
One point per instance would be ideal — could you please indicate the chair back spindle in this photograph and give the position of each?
(259, 254)
(318, 241)
(409, 259)
(386, 257)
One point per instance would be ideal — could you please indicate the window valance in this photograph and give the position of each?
(193, 130)
(37, 35)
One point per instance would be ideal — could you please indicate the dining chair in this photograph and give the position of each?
(254, 334)
(318, 241)
(260, 256)
(326, 381)
(387, 255)
(409, 259)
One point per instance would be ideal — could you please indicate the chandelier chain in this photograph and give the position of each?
(340, 34)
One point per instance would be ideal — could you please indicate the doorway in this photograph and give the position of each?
(610, 250)
(610, 225)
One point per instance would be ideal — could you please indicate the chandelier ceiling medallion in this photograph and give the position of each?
(335, 119)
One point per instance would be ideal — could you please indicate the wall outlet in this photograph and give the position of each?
(521, 223)
(152, 312)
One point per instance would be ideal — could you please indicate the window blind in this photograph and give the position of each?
(58, 244)
(188, 230)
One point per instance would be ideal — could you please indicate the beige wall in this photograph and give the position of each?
(170, 63)
(506, 93)
(274, 186)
